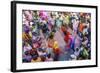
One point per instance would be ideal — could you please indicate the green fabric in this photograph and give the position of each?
(85, 53)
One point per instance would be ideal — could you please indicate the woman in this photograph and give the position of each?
(54, 45)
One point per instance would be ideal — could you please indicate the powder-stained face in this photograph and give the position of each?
(55, 36)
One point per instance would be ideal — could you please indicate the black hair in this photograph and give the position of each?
(49, 55)
(51, 35)
(65, 33)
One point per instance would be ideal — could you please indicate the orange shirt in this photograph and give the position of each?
(81, 26)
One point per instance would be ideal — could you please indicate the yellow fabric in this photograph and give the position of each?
(55, 45)
(37, 60)
(66, 19)
(24, 36)
(30, 34)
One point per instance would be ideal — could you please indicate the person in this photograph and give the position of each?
(45, 29)
(28, 15)
(66, 19)
(72, 43)
(26, 56)
(67, 39)
(36, 59)
(80, 30)
(35, 56)
(50, 51)
(26, 35)
(42, 52)
(56, 50)
(26, 47)
(36, 40)
(52, 43)
(75, 25)
(49, 58)
(76, 53)
(59, 22)
(63, 29)
(85, 30)
(85, 40)
(84, 54)
(43, 15)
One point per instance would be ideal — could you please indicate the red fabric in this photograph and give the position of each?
(63, 29)
(49, 46)
(57, 51)
(67, 38)
(81, 27)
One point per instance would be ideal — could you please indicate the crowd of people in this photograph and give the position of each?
(50, 35)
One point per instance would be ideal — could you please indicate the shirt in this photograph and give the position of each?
(27, 48)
